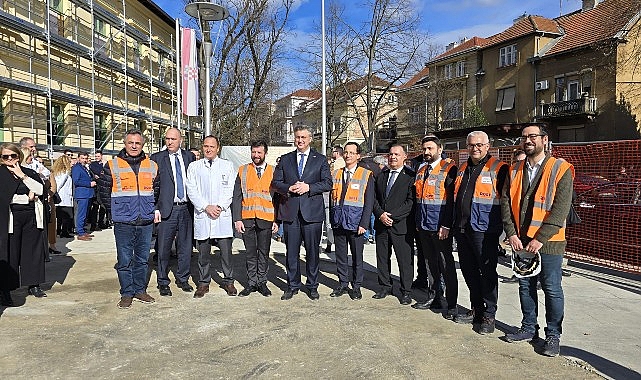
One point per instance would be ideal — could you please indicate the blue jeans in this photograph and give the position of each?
(132, 247)
(370, 232)
(82, 205)
(550, 278)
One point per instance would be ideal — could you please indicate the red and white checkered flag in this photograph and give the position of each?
(189, 73)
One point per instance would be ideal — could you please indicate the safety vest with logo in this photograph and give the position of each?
(132, 196)
(347, 213)
(431, 196)
(551, 174)
(485, 213)
(257, 199)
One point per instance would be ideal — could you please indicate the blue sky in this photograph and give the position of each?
(444, 21)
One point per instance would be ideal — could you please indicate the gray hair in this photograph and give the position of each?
(304, 128)
(478, 133)
(134, 132)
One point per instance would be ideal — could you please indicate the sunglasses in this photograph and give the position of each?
(8, 156)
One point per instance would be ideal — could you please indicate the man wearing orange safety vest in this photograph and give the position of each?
(131, 176)
(536, 201)
(434, 217)
(477, 227)
(351, 206)
(253, 214)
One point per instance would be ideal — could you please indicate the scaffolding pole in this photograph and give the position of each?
(93, 77)
(178, 80)
(151, 90)
(49, 113)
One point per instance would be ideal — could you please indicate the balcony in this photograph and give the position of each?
(577, 107)
(451, 124)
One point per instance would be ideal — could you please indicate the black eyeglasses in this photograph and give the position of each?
(531, 137)
(477, 145)
(8, 156)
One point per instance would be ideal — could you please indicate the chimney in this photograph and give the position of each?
(451, 46)
(521, 17)
(589, 4)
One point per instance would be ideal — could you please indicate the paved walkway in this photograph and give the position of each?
(78, 332)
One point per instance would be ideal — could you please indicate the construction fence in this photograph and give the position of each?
(608, 199)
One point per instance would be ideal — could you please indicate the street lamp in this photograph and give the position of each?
(205, 12)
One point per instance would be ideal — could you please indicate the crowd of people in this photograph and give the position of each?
(413, 210)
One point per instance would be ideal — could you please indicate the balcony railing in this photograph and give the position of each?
(582, 106)
(451, 124)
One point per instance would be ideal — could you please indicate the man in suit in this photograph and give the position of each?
(173, 213)
(83, 194)
(301, 177)
(254, 216)
(97, 212)
(351, 207)
(393, 208)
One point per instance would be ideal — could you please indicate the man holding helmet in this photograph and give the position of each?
(536, 200)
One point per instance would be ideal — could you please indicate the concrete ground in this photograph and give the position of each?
(78, 332)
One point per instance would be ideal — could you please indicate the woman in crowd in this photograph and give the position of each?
(61, 171)
(51, 220)
(21, 226)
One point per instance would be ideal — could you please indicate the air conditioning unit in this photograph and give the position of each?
(542, 85)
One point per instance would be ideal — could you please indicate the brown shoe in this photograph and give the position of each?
(83, 238)
(230, 289)
(144, 298)
(125, 302)
(87, 235)
(201, 290)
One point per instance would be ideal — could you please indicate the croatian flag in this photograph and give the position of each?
(189, 73)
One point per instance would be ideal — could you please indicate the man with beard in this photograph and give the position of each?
(130, 176)
(351, 206)
(253, 213)
(477, 228)
(210, 188)
(434, 216)
(535, 204)
(173, 213)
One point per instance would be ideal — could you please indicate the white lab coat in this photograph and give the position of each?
(211, 186)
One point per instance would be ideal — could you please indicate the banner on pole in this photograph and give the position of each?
(189, 73)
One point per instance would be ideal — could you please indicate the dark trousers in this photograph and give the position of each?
(204, 260)
(180, 226)
(478, 257)
(422, 273)
(257, 242)
(385, 241)
(24, 263)
(296, 232)
(97, 215)
(440, 262)
(64, 216)
(343, 239)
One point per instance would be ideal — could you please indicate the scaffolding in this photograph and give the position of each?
(95, 81)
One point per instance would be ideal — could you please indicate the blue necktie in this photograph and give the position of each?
(390, 182)
(258, 171)
(180, 191)
(300, 164)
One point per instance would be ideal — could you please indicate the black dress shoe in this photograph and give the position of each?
(424, 305)
(355, 294)
(340, 291)
(313, 295)
(406, 299)
(247, 291)
(289, 293)
(164, 290)
(37, 292)
(185, 286)
(264, 290)
(381, 294)
(54, 251)
(5, 298)
(419, 284)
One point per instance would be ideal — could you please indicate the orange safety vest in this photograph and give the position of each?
(132, 196)
(431, 196)
(257, 198)
(347, 214)
(551, 174)
(486, 200)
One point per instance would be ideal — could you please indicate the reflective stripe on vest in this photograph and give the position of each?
(485, 191)
(355, 194)
(551, 174)
(125, 181)
(432, 191)
(257, 198)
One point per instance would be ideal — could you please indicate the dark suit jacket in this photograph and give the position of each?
(164, 187)
(399, 203)
(316, 174)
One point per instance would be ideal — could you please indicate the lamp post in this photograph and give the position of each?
(205, 12)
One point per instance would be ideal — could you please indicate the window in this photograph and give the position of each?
(1, 112)
(56, 5)
(136, 54)
(55, 124)
(448, 71)
(416, 114)
(559, 91)
(100, 131)
(100, 27)
(507, 56)
(460, 68)
(574, 90)
(453, 110)
(505, 98)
